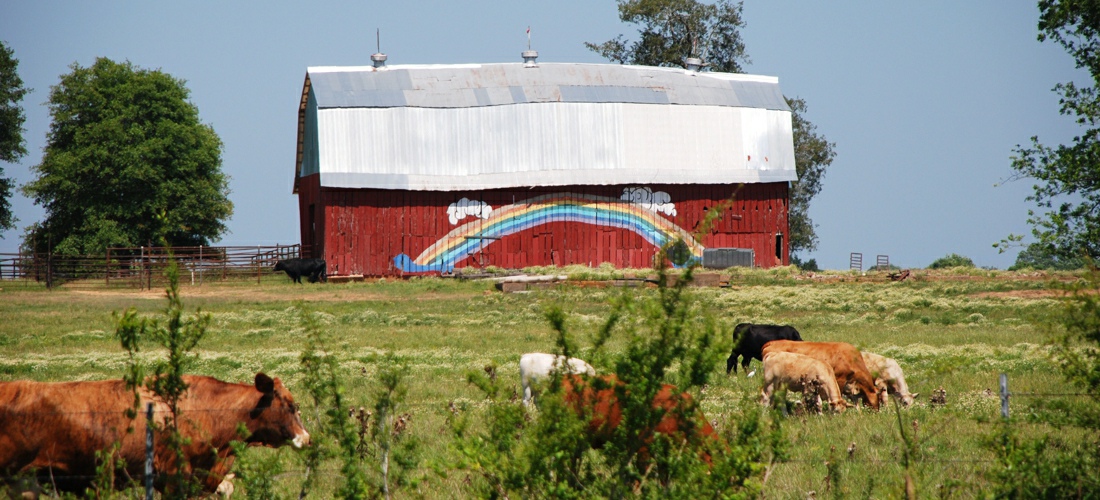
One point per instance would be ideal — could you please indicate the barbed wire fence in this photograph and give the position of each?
(150, 474)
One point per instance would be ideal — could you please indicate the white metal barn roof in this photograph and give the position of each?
(483, 126)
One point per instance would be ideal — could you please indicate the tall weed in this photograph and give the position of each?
(596, 437)
(178, 335)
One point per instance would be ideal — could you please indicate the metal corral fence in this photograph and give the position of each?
(142, 267)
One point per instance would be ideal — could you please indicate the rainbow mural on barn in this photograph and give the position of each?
(469, 238)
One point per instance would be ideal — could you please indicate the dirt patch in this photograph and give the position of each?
(1031, 294)
(242, 293)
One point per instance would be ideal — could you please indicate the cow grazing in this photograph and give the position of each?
(56, 428)
(888, 377)
(794, 371)
(313, 269)
(682, 419)
(536, 366)
(845, 360)
(749, 340)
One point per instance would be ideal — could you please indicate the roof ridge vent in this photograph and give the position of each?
(694, 64)
(529, 57)
(378, 58)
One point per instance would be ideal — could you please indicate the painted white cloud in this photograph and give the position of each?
(468, 208)
(659, 201)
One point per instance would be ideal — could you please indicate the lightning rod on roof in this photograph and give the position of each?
(529, 56)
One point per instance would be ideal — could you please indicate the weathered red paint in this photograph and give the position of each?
(360, 231)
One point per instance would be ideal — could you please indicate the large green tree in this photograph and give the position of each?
(127, 163)
(671, 30)
(11, 128)
(1066, 225)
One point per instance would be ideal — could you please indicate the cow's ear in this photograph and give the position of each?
(264, 383)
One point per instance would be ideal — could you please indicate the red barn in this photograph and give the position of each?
(427, 168)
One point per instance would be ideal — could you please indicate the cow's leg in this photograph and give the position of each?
(766, 393)
(731, 362)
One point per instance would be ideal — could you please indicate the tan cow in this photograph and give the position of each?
(888, 377)
(56, 429)
(793, 371)
(845, 359)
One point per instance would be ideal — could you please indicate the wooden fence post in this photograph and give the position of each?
(141, 270)
(1004, 396)
(149, 451)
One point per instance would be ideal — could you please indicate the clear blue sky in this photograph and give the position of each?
(925, 101)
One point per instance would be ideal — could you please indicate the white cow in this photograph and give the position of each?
(888, 377)
(792, 370)
(535, 366)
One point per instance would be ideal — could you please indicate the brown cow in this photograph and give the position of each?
(601, 402)
(847, 363)
(57, 428)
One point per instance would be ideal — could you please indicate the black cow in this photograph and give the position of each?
(749, 340)
(314, 269)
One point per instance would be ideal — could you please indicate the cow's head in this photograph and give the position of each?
(275, 420)
(279, 266)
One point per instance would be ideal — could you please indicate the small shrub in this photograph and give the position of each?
(1045, 467)
(809, 265)
(951, 260)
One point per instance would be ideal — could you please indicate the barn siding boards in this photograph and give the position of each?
(363, 231)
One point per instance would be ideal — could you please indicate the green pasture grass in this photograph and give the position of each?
(953, 329)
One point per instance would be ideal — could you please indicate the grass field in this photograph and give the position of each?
(954, 329)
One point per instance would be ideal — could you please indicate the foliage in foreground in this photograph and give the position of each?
(376, 453)
(1051, 466)
(557, 452)
(179, 335)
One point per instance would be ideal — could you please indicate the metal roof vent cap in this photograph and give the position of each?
(529, 57)
(694, 63)
(378, 59)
